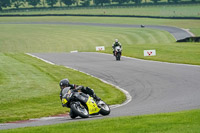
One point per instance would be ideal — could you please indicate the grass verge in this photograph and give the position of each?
(65, 38)
(30, 87)
(179, 122)
(181, 23)
(189, 10)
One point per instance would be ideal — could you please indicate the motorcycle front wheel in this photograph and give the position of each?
(105, 109)
(79, 110)
(118, 56)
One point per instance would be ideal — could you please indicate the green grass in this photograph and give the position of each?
(192, 25)
(187, 53)
(65, 38)
(190, 10)
(30, 87)
(180, 122)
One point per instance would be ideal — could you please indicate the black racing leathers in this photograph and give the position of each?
(115, 44)
(83, 89)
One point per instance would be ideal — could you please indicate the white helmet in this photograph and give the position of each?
(116, 40)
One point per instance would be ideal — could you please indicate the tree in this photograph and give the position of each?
(121, 1)
(155, 1)
(168, 1)
(137, 1)
(51, 2)
(4, 3)
(60, 2)
(97, 2)
(85, 2)
(33, 2)
(68, 2)
(176, 1)
(18, 3)
(43, 3)
(76, 1)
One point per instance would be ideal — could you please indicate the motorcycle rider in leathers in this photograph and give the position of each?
(115, 44)
(65, 83)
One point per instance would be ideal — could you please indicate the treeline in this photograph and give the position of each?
(51, 3)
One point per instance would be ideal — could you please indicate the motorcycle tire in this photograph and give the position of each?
(72, 114)
(105, 109)
(118, 56)
(79, 110)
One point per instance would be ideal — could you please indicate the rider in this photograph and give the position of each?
(115, 44)
(65, 83)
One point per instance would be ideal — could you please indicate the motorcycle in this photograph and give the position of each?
(83, 105)
(118, 52)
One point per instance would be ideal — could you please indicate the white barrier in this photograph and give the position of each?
(100, 48)
(75, 51)
(149, 52)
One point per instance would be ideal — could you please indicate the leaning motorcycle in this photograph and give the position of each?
(118, 52)
(83, 105)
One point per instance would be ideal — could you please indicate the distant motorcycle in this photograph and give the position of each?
(118, 52)
(83, 105)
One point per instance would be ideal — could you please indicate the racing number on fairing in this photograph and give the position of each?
(92, 106)
(92, 102)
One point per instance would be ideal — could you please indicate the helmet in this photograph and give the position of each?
(64, 82)
(116, 40)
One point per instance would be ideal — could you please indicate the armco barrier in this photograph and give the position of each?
(190, 39)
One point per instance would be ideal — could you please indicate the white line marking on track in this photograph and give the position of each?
(47, 118)
(41, 59)
(132, 58)
(128, 96)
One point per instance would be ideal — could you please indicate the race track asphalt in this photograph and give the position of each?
(176, 32)
(155, 87)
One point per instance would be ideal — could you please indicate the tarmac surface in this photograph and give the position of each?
(152, 87)
(176, 32)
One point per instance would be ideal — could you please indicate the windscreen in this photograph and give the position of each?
(65, 90)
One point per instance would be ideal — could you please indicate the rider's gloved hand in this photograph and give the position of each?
(96, 97)
(79, 88)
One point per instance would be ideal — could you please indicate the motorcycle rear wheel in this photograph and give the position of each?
(79, 110)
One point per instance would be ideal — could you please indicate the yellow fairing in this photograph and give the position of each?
(92, 106)
(64, 101)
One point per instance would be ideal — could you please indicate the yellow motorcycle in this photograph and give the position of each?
(83, 105)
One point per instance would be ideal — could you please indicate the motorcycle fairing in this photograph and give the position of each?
(92, 106)
(64, 101)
